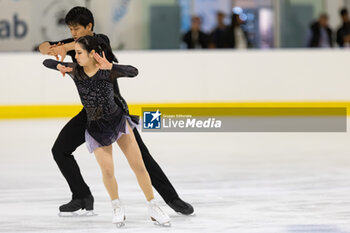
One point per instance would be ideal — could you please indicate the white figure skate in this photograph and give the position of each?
(118, 213)
(158, 216)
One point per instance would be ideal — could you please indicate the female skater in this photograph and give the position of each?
(107, 123)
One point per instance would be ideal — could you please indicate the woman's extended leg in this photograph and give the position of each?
(128, 145)
(104, 158)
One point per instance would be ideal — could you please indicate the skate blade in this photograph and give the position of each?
(182, 214)
(78, 213)
(120, 224)
(166, 224)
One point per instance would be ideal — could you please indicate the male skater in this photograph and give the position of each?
(81, 22)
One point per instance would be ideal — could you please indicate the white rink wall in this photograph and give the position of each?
(192, 76)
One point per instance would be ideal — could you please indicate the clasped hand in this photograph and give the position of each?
(58, 50)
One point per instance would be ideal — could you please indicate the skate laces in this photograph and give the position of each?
(157, 209)
(117, 210)
(117, 206)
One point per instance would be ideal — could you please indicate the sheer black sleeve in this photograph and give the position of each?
(123, 71)
(52, 64)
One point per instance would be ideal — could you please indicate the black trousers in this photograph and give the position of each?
(73, 135)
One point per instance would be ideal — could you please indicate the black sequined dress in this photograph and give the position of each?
(106, 121)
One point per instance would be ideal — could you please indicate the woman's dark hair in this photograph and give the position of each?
(80, 16)
(90, 43)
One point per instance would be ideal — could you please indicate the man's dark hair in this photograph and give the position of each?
(80, 16)
(343, 11)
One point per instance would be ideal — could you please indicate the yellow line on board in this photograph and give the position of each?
(56, 111)
(38, 111)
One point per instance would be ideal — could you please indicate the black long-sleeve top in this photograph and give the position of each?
(117, 95)
(96, 92)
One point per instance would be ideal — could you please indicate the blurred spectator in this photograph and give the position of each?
(235, 36)
(343, 33)
(195, 38)
(218, 34)
(320, 33)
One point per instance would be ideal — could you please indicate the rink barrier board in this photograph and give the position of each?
(59, 111)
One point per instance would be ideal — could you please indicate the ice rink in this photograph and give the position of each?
(237, 182)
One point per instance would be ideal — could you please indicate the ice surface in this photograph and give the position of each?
(237, 182)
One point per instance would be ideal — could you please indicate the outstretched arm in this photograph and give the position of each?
(58, 48)
(44, 48)
(63, 67)
(123, 71)
(117, 71)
